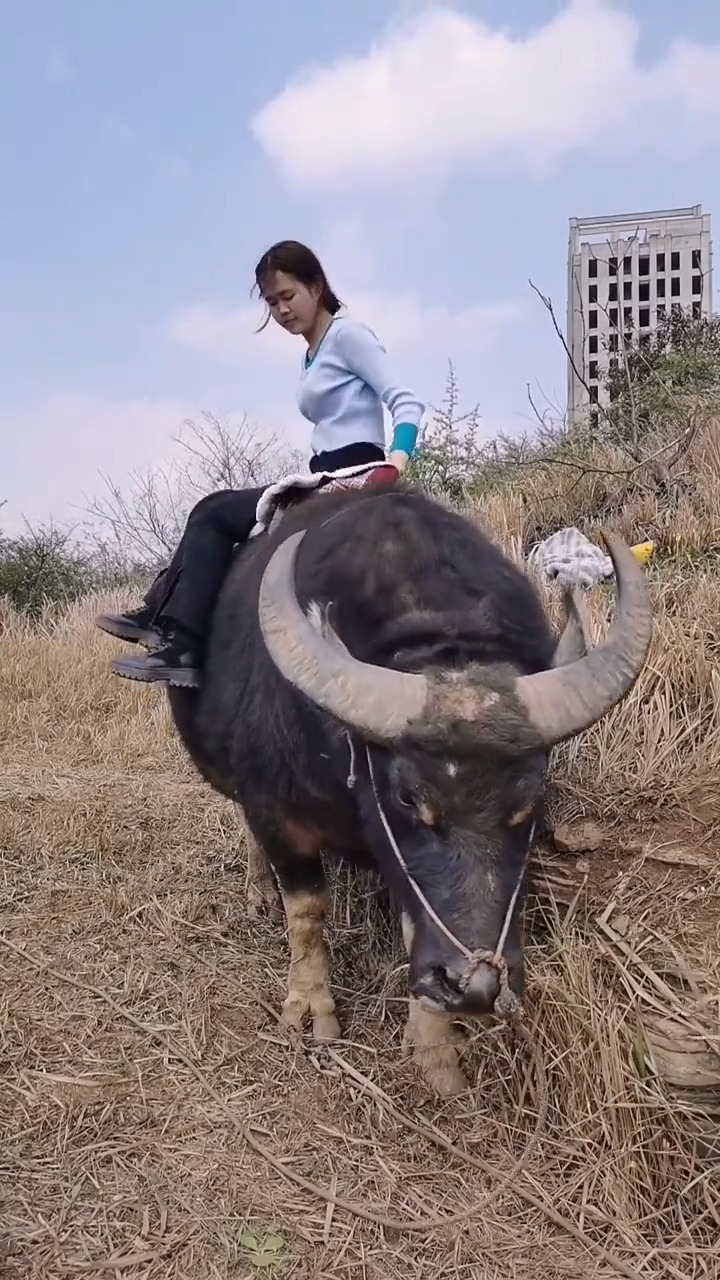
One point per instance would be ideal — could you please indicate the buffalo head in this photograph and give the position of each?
(450, 769)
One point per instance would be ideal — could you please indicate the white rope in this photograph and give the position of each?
(410, 879)
(507, 1004)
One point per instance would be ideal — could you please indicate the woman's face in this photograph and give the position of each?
(292, 305)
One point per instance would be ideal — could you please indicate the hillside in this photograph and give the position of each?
(153, 1112)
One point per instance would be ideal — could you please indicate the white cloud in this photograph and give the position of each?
(415, 330)
(55, 448)
(229, 335)
(689, 81)
(419, 337)
(232, 335)
(446, 90)
(407, 327)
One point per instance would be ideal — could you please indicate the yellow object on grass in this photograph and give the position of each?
(643, 551)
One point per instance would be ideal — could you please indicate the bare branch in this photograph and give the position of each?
(146, 516)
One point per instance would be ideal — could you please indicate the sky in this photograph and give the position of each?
(431, 154)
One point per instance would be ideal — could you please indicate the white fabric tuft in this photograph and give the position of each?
(352, 477)
(571, 559)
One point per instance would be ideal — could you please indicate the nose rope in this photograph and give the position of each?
(507, 1005)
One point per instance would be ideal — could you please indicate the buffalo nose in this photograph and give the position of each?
(445, 987)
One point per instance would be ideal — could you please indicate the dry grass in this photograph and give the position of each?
(153, 1113)
(590, 489)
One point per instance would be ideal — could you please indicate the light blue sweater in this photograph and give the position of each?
(344, 386)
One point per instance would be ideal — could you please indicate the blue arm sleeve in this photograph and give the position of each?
(367, 357)
(404, 438)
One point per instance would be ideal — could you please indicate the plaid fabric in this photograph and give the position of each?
(380, 474)
(292, 488)
(571, 559)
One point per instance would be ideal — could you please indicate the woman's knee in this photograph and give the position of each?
(209, 508)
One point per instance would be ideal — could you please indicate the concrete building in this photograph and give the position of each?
(624, 273)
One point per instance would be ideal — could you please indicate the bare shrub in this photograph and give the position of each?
(145, 517)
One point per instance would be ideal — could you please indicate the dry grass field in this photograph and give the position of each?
(156, 1122)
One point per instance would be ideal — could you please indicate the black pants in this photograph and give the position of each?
(186, 592)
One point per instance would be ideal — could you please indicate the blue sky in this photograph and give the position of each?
(431, 154)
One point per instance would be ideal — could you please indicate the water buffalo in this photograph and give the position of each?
(382, 684)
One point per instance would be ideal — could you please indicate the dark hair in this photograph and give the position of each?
(296, 260)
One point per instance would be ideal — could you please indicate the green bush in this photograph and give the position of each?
(45, 566)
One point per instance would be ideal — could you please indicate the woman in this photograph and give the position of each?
(345, 380)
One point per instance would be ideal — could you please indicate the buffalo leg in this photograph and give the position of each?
(261, 891)
(306, 899)
(433, 1040)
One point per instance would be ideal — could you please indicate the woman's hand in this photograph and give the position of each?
(399, 461)
(387, 474)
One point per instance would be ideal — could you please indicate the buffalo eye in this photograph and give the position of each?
(406, 798)
(420, 807)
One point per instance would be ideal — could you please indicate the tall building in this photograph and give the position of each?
(624, 273)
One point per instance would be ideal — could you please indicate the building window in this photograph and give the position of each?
(593, 393)
(613, 315)
(612, 291)
(697, 285)
(675, 286)
(660, 262)
(644, 266)
(676, 308)
(593, 369)
(627, 266)
(612, 266)
(696, 310)
(592, 319)
(594, 421)
(593, 344)
(644, 317)
(644, 291)
(627, 315)
(612, 342)
(592, 293)
(627, 290)
(661, 313)
(697, 260)
(674, 261)
(661, 288)
(592, 268)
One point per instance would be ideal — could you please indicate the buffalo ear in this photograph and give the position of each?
(573, 643)
(567, 699)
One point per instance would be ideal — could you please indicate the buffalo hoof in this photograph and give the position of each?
(325, 1025)
(262, 895)
(264, 902)
(435, 1047)
(443, 1079)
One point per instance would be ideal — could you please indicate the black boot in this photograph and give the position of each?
(135, 626)
(176, 660)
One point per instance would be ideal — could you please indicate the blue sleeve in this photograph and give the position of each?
(404, 438)
(367, 357)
